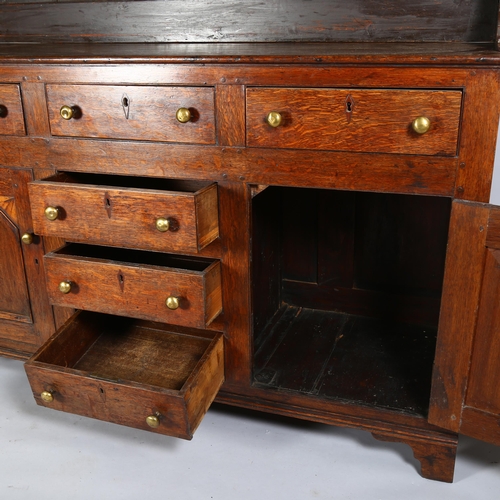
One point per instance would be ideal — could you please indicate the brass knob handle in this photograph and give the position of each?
(65, 286)
(162, 224)
(183, 115)
(274, 119)
(52, 213)
(421, 125)
(27, 238)
(172, 303)
(153, 420)
(67, 112)
(47, 396)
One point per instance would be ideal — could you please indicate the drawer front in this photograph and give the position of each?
(126, 217)
(11, 111)
(133, 112)
(378, 121)
(188, 295)
(148, 377)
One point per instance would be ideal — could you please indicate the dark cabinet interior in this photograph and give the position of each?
(346, 294)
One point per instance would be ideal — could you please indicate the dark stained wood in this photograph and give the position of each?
(139, 113)
(461, 289)
(437, 460)
(396, 305)
(218, 21)
(135, 284)
(374, 53)
(11, 111)
(333, 355)
(103, 375)
(97, 209)
(401, 243)
(377, 121)
(265, 258)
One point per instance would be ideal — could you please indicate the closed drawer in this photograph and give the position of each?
(11, 111)
(378, 121)
(133, 112)
(154, 214)
(159, 287)
(143, 375)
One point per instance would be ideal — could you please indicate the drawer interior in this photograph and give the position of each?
(140, 257)
(121, 181)
(346, 294)
(118, 349)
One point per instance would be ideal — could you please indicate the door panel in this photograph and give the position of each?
(26, 318)
(14, 298)
(465, 393)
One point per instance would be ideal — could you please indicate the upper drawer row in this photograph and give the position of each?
(424, 122)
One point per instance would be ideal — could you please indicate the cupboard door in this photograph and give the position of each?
(465, 397)
(26, 318)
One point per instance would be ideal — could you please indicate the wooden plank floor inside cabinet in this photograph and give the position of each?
(345, 357)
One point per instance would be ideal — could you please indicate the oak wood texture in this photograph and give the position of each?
(217, 21)
(11, 111)
(25, 314)
(124, 371)
(135, 284)
(139, 113)
(343, 243)
(461, 291)
(97, 209)
(354, 120)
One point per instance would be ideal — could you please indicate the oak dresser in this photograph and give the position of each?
(281, 206)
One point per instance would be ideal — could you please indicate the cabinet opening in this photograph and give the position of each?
(346, 294)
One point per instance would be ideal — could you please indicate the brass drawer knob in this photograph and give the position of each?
(153, 420)
(65, 287)
(27, 238)
(47, 396)
(162, 224)
(183, 115)
(172, 303)
(274, 119)
(52, 213)
(67, 112)
(421, 125)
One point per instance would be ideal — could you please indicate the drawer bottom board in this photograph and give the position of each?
(124, 371)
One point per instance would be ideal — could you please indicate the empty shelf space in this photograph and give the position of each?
(346, 357)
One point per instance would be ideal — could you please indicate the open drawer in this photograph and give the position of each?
(162, 215)
(130, 372)
(147, 285)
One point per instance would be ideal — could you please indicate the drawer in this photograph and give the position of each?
(377, 121)
(11, 111)
(140, 374)
(133, 112)
(154, 214)
(154, 286)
